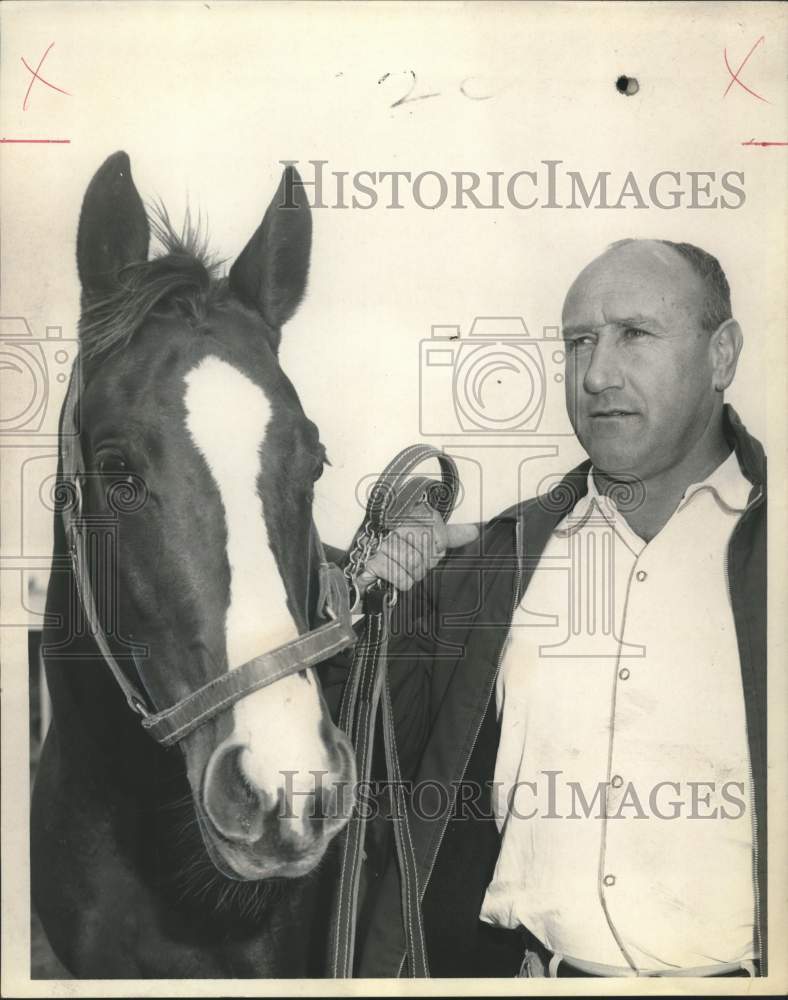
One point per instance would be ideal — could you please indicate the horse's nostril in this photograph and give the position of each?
(298, 815)
(346, 759)
(235, 808)
(334, 804)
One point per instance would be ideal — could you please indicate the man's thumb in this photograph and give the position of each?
(460, 534)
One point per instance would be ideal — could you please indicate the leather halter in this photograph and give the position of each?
(366, 691)
(172, 724)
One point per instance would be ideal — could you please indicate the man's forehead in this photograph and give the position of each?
(643, 278)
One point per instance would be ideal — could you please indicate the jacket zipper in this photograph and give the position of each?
(755, 884)
(481, 720)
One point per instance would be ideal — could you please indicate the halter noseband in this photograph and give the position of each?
(172, 724)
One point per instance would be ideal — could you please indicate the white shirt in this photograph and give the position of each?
(622, 672)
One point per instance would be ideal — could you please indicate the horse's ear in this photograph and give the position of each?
(113, 227)
(270, 274)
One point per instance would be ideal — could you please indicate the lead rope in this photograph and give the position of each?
(367, 688)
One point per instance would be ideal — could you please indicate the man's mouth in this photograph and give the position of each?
(613, 413)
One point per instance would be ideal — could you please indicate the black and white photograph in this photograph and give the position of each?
(386, 591)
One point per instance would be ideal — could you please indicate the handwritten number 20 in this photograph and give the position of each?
(467, 88)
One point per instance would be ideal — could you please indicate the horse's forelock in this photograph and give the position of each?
(182, 280)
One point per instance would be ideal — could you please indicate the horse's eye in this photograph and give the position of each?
(113, 464)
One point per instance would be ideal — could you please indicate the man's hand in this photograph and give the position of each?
(412, 549)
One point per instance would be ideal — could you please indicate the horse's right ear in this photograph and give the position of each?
(270, 273)
(113, 227)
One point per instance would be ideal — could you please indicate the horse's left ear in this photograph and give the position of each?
(270, 274)
(113, 227)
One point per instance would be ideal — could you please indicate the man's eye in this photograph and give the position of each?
(634, 333)
(576, 343)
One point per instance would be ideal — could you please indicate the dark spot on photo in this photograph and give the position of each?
(627, 85)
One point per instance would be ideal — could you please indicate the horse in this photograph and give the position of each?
(211, 858)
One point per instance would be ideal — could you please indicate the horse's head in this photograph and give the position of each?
(183, 393)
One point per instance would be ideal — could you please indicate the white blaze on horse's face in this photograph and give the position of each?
(227, 416)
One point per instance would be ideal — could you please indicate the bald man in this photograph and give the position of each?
(583, 713)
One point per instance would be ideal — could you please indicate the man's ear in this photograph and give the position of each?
(725, 346)
(113, 227)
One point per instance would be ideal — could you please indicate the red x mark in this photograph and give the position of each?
(735, 76)
(37, 76)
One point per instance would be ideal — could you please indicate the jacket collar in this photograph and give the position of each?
(749, 451)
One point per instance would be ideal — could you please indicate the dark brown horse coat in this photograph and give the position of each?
(121, 877)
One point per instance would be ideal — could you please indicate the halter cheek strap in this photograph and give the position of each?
(367, 688)
(172, 724)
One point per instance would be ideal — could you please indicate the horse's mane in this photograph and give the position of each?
(183, 279)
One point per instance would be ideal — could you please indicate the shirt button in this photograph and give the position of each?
(609, 879)
(624, 673)
(641, 575)
(616, 781)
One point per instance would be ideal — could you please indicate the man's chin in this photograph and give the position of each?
(616, 461)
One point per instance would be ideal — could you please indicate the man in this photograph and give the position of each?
(608, 785)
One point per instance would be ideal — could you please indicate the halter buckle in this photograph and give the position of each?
(138, 705)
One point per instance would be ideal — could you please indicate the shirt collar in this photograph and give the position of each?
(726, 483)
(592, 501)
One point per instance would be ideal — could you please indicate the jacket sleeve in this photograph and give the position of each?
(425, 649)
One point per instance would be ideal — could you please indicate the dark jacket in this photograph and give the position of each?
(445, 655)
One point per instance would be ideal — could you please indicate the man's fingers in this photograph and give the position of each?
(396, 561)
(405, 548)
(461, 534)
(384, 570)
(411, 550)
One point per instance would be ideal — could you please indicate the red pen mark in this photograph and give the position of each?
(735, 76)
(752, 142)
(37, 76)
(36, 140)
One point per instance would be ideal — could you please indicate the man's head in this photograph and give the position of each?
(651, 346)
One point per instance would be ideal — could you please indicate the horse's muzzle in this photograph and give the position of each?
(279, 832)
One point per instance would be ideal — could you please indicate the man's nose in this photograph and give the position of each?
(604, 368)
